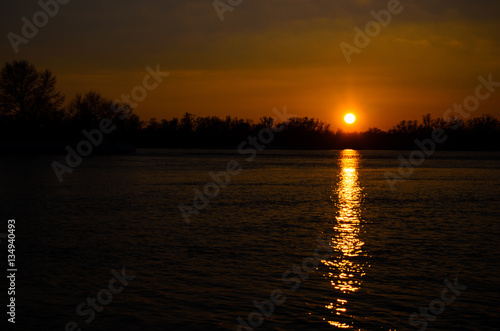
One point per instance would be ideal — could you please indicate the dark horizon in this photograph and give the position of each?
(46, 118)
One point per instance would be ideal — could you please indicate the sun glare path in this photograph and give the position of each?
(347, 270)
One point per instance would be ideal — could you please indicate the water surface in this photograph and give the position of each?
(391, 252)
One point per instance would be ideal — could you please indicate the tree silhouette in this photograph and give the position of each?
(30, 111)
(88, 109)
(27, 94)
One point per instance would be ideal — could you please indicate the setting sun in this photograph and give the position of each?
(349, 118)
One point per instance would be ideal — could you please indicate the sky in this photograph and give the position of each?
(268, 54)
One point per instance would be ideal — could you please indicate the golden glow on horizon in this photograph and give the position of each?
(349, 118)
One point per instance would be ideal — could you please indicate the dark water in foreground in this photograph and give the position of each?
(388, 253)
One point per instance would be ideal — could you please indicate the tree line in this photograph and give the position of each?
(32, 110)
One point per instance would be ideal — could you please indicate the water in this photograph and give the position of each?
(387, 253)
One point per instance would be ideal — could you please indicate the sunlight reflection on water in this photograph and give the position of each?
(121, 211)
(345, 270)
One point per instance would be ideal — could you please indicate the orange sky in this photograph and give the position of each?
(270, 54)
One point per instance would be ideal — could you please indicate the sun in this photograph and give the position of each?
(349, 118)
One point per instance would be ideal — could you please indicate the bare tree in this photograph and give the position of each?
(26, 93)
(88, 109)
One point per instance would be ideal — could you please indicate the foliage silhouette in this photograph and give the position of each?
(31, 110)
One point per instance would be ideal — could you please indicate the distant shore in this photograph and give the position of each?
(61, 148)
(110, 148)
